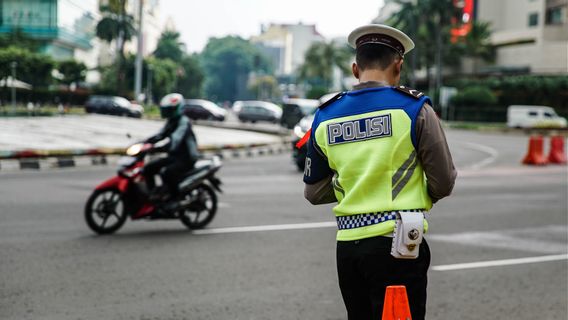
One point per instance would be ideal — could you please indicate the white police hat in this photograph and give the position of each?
(381, 34)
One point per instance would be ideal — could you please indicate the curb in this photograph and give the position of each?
(244, 127)
(507, 130)
(52, 159)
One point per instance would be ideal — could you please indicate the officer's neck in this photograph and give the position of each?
(376, 75)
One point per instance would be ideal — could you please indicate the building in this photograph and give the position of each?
(530, 35)
(286, 45)
(65, 28)
(152, 29)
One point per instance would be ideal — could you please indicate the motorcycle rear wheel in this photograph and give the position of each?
(103, 207)
(202, 209)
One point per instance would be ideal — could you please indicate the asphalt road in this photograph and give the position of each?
(53, 267)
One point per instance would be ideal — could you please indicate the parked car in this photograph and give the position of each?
(254, 111)
(113, 105)
(295, 109)
(300, 129)
(520, 116)
(198, 109)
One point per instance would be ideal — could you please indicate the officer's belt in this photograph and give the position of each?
(368, 219)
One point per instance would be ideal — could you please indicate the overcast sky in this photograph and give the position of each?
(197, 20)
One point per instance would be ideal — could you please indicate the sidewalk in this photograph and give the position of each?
(97, 135)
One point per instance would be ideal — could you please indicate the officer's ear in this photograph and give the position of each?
(398, 65)
(355, 70)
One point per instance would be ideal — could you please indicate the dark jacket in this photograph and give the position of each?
(182, 139)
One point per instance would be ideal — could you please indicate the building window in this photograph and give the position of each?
(554, 15)
(533, 19)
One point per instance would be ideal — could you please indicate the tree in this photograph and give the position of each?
(477, 44)
(18, 38)
(33, 68)
(71, 71)
(429, 23)
(170, 47)
(265, 88)
(227, 63)
(163, 76)
(320, 60)
(190, 82)
(116, 25)
(188, 75)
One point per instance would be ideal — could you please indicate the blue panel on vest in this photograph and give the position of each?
(370, 100)
(359, 130)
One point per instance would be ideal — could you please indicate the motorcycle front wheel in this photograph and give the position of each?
(202, 207)
(104, 211)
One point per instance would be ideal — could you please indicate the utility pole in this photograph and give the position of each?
(13, 65)
(149, 85)
(138, 69)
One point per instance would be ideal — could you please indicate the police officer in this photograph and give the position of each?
(181, 148)
(380, 153)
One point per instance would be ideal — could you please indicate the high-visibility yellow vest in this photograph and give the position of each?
(369, 140)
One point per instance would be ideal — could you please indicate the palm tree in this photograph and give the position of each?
(320, 60)
(477, 43)
(170, 46)
(432, 21)
(116, 25)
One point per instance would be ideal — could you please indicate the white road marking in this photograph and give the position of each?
(498, 263)
(543, 239)
(276, 227)
(493, 154)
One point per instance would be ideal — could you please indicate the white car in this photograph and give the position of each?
(526, 116)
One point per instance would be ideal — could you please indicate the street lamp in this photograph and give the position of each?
(13, 65)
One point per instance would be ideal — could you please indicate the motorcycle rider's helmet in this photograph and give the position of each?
(171, 106)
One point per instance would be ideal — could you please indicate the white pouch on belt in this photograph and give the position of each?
(407, 235)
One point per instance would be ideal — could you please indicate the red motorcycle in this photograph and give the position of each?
(126, 195)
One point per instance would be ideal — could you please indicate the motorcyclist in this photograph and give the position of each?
(181, 148)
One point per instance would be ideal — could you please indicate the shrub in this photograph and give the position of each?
(474, 96)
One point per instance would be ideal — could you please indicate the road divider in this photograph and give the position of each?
(45, 159)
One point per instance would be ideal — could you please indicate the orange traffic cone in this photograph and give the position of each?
(557, 154)
(396, 304)
(535, 155)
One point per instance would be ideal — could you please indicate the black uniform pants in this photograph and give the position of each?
(365, 268)
(174, 168)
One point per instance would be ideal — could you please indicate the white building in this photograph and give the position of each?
(530, 35)
(286, 45)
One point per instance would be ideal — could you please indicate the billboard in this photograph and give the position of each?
(463, 19)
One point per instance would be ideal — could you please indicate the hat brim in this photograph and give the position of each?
(405, 40)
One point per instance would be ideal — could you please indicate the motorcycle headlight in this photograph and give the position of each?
(303, 126)
(298, 131)
(134, 149)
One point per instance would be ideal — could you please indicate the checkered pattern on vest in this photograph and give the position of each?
(367, 219)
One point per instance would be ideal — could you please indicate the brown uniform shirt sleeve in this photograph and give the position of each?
(434, 154)
(320, 192)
